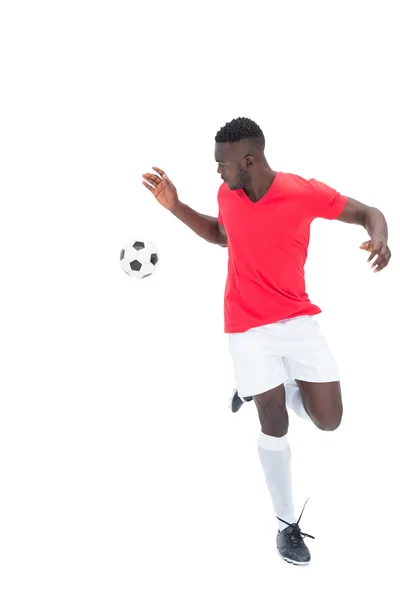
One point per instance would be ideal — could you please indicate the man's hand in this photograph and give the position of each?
(162, 188)
(378, 248)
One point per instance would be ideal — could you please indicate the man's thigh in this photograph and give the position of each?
(323, 402)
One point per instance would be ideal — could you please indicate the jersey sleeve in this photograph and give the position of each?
(327, 203)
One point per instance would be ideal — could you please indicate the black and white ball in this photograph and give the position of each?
(139, 258)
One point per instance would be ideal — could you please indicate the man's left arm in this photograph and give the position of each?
(375, 223)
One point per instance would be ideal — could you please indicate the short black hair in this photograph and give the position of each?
(241, 129)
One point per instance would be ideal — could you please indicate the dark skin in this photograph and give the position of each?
(322, 401)
(243, 166)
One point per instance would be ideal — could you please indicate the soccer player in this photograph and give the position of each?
(280, 358)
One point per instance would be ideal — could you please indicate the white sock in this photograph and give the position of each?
(294, 399)
(275, 456)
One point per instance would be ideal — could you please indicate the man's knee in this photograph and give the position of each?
(271, 401)
(329, 422)
(323, 402)
(272, 411)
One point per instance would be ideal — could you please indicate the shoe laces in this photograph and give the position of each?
(293, 533)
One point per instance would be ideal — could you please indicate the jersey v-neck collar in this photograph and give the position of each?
(266, 196)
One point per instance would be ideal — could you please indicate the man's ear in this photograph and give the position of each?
(249, 161)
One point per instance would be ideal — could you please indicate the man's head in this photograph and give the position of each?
(239, 152)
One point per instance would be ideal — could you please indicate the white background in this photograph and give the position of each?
(123, 473)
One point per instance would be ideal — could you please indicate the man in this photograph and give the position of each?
(279, 356)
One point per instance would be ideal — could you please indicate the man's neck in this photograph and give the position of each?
(257, 189)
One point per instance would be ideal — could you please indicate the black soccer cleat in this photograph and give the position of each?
(290, 543)
(236, 402)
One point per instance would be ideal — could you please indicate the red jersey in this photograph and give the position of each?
(267, 246)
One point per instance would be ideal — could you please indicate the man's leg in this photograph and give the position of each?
(323, 402)
(258, 366)
(310, 362)
(319, 403)
(274, 450)
(294, 400)
(275, 455)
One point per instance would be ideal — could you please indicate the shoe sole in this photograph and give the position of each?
(238, 406)
(234, 411)
(231, 404)
(293, 562)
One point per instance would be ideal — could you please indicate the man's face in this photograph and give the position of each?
(229, 166)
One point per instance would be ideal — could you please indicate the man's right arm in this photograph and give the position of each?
(224, 237)
(205, 226)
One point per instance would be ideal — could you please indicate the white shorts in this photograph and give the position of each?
(265, 357)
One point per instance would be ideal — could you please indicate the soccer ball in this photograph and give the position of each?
(139, 258)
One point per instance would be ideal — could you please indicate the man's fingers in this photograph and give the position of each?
(150, 181)
(159, 171)
(377, 262)
(382, 261)
(378, 249)
(379, 265)
(148, 186)
(151, 178)
(366, 245)
(382, 266)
